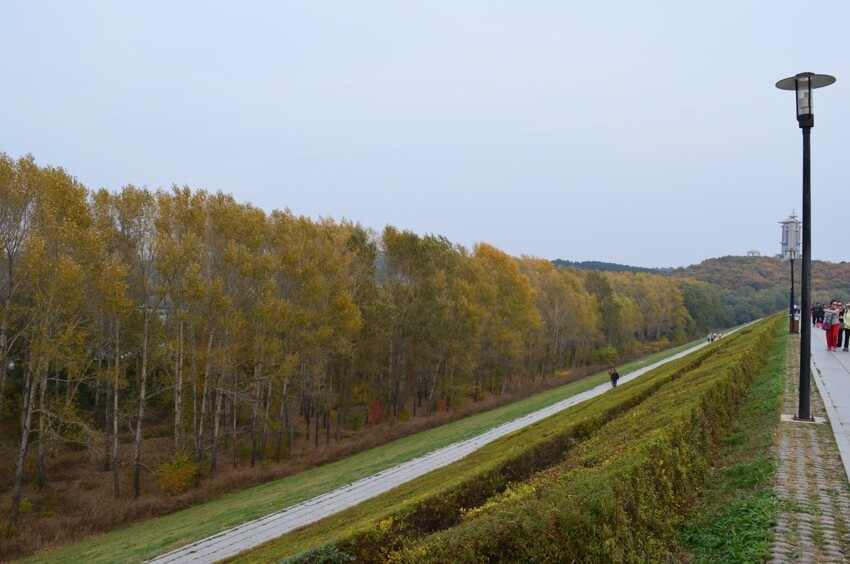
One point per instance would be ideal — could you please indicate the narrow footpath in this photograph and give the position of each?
(813, 461)
(248, 535)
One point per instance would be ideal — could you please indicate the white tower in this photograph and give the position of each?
(790, 237)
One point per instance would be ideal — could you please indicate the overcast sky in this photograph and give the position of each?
(647, 133)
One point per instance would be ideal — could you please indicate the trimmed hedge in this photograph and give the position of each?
(615, 482)
(622, 495)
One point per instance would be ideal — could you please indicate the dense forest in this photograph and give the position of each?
(186, 314)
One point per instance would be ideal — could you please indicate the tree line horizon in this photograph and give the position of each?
(255, 328)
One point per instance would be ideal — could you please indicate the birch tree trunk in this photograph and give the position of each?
(216, 421)
(26, 423)
(42, 470)
(178, 390)
(137, 443)
(199, 432)
(116, 462)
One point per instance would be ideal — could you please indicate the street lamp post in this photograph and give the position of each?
(803, 84)
(795, 327)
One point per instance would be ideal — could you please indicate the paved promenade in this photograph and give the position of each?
(831, 372)
(813, 461)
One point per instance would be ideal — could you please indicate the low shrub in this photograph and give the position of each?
(25, 507)
(355, 420)
(243, 451)
(328, 554)
(178, 475)
(604, 355)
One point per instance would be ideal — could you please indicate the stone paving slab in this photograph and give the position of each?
(248, 535)
(813, 524)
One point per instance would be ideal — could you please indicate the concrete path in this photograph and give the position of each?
(248, 535)
(831, 372)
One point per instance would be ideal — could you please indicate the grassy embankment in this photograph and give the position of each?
(738, 506)
(612, 478)
(145, 540)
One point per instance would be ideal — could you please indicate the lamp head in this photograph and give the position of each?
(803, 84)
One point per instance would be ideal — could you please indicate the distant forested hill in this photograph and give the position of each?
(757, 286)
(608, 266)
(746, 287)
(829, 280)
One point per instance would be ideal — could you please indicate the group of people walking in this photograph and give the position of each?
(830, 317)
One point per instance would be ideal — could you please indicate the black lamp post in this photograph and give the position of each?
(795, 327)
(803, 84)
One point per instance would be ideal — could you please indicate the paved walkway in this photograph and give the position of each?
(813, 462)
(831, 372)
(254, 533)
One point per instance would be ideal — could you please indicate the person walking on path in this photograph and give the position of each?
(614, 377)
(831, 324)
(844, 331)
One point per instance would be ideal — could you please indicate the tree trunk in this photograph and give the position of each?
(178, 390)
(107, 434)
(216, 420)
(26, 423)
(255, 406)
(116, 464)
(433, 388)
(316, 435)
(137, 443)
(267, 398)
(291, 440)
(4, 354)
(233, 451)
(306, 406)
(42, 470)
(343, 405)
(280, 426)
(199, 432)
(194, 372)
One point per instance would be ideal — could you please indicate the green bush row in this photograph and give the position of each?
(623, 494)
(546, 445)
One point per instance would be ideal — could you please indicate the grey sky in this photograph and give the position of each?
(648, 133)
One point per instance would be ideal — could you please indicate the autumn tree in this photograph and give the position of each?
(111, 308)
(179, 228)
(136, 214)
(52, 317)
(17, 207)
(508, 316)
(570, 315)
(659, 301)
